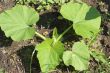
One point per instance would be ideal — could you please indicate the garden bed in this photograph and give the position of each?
(15, 57)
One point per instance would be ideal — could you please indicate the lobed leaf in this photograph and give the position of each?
(86, 19)
(17, 22)
(49, 55)
(78, 57)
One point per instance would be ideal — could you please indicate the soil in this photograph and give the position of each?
(15, 56)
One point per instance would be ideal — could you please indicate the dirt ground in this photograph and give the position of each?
(15, 56)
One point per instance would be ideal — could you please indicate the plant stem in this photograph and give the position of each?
(64, 33)
(32, 58)
(40, 35)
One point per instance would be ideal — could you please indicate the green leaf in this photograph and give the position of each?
(2, 70)
(49, 55)
(86, 19)
(88, 28)
(51, 1)
(67, 57)
(17, 22)
(78, 57)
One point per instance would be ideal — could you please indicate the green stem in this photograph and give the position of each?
(32, 58)
(64, 33)
(40, 35)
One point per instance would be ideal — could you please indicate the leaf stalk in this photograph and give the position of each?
(40, 35)
(64, 33)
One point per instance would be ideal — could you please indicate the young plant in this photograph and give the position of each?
(18, 23)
